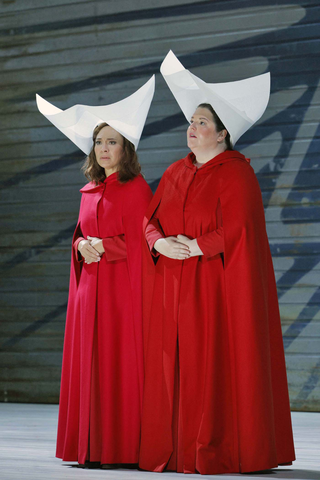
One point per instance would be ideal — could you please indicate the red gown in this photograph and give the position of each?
(102, 369)
(215, 396)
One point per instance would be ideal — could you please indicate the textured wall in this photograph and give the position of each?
(96, 52)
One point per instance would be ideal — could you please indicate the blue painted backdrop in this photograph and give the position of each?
(95, 52)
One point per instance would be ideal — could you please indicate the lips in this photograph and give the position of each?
(192, 136)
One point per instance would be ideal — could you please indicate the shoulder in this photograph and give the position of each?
(136, 194)
(237, 180)
(175, 167)
(236, 166)
(237, 169)
(89, 187)
(138, 185)
(138, 182)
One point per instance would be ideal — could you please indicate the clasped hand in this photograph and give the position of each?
(91, 249)
(179, 247)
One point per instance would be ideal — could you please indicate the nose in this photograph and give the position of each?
(192, 125)
(105, 147)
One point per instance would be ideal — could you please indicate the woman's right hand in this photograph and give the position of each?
(171, 247)
(88, 253)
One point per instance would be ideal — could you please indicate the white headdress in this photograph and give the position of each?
(238, 104)
(78, 122)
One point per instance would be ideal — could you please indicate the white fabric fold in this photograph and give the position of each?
(128, 117)
(238, 104)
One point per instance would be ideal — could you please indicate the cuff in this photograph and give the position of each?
(115, 248)
(212, 243)
(155, 237)
(78, 255)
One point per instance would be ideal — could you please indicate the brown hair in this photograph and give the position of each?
(219, 125)
(129, 166)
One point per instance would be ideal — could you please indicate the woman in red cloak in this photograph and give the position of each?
(215, 395)
(102, 373)
(102, 368)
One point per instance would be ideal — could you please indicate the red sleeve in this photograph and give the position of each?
(212, 243)
(115, 248)
(75, 244)
(152, 233)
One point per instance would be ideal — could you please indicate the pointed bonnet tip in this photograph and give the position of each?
(265, 80)
(171, 64)
(39, 99)
(263, 85)
(45, 107)
(268, 77)
(42, 104)
(147, 89)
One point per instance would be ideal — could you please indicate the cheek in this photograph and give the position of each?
(208, 134)
(117, 152)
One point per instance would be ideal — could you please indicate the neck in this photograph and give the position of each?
(203, 157)
(110, 171)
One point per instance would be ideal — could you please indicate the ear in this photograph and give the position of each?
(222, 135)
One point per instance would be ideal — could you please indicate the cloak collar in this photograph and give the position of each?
(91, 187)
(223, 157)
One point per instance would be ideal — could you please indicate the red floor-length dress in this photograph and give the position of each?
(102, 371)
(215, 397)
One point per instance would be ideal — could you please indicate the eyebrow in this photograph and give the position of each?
(110, 138)
(201, 118)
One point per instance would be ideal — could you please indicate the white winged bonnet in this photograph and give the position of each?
(78, 122)
(238, 104)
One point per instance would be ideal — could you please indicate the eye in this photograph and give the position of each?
(98, 142)
(112, 142)
(202, 123)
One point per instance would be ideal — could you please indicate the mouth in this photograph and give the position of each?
(104, 158)
(192, 135)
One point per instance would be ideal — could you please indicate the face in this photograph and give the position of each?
(202, 133)
(108, 149)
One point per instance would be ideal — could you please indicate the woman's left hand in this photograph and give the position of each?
(96, 243)
(192, 244)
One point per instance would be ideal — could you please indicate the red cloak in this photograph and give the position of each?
(215, 397)
(102, 370)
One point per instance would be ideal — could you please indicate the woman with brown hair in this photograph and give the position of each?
(102, 371)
